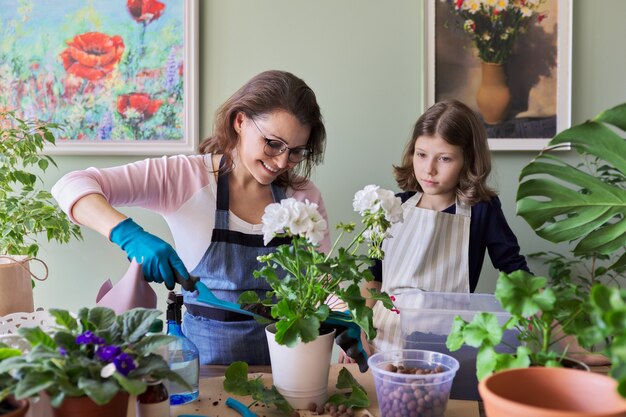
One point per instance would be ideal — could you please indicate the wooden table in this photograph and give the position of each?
(213, 396)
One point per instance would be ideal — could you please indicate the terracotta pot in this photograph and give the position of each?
(85, 407)
(493, 96)
(550, 392)
(21, 407)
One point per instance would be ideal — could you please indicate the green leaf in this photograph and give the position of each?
(100, 392)
(562, 202)
(7, 352)
(33, 383)
(455, 338)
(137, 322)
(236, 379)
(64, 318)
(523, 294)
(483, 330)
(357, 397)
(132, 386)
(237, 382)
(36, 336)
(149, 344)
(486, 360)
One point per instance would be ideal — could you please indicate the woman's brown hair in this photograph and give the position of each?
(264, 93)
(458, 125)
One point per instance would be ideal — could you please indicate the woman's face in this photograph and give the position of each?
(254, 134)
(437, 166)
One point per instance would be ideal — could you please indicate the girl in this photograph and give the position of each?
(451, 216)
(267, 138)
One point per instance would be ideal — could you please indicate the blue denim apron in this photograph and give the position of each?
(226, 268)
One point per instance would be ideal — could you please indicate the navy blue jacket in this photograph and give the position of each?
(489, 231)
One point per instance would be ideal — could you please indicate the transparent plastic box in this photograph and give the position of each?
(426, 319)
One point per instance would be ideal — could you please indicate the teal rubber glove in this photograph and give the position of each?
(159, 261)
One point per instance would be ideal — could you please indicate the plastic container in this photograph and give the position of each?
(412, 394)
(426, 319)
(182, 355)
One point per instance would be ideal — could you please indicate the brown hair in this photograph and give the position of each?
(458, 125)
(264, 93)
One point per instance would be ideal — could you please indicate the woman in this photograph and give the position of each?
(267, 138)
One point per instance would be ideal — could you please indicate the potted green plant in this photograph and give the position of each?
(95, 358)
(539, 314)
(28, 213)
(9, 406)
(583, 203)
(301, 301)
(586, 204)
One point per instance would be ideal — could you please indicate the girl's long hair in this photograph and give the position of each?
(458, 125)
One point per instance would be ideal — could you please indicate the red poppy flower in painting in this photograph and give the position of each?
(145, 11)
(92, 55)
(137, 106)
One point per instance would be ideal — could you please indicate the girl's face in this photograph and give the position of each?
(437, 166)
(254, 135)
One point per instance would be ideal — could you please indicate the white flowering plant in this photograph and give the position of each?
(314, 282)
(494, 25)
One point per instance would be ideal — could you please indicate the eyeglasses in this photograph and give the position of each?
(275, 147)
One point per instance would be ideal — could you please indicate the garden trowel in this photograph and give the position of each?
(206, 296)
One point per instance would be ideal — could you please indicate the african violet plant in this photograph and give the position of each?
(94, 354)
(299, 301)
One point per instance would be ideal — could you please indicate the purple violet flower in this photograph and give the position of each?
(124, 363)
(108, 353)
(89, 338)
(62, 351)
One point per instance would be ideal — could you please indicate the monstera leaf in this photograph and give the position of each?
(565, 203)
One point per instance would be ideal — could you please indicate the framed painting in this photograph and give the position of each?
(120, 77)
(509, 60)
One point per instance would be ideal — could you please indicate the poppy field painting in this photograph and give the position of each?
(119, 76)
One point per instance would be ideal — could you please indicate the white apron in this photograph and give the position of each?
(427, 251)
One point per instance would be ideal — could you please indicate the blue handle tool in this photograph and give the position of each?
(239, 407)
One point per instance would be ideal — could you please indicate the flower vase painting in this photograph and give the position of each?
(117, 76)
(509, 60)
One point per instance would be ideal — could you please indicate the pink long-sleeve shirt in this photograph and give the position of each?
(182, 188)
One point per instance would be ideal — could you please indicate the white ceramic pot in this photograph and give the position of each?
(300, 373)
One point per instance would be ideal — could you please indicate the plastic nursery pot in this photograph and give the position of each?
(550, 392)
(412, 382)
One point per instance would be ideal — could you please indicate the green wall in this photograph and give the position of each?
(364, 59)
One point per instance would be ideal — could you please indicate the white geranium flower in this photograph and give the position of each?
(299, 218)
(372, 198)
(391, 205)
(275, 219)
(366, 199)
